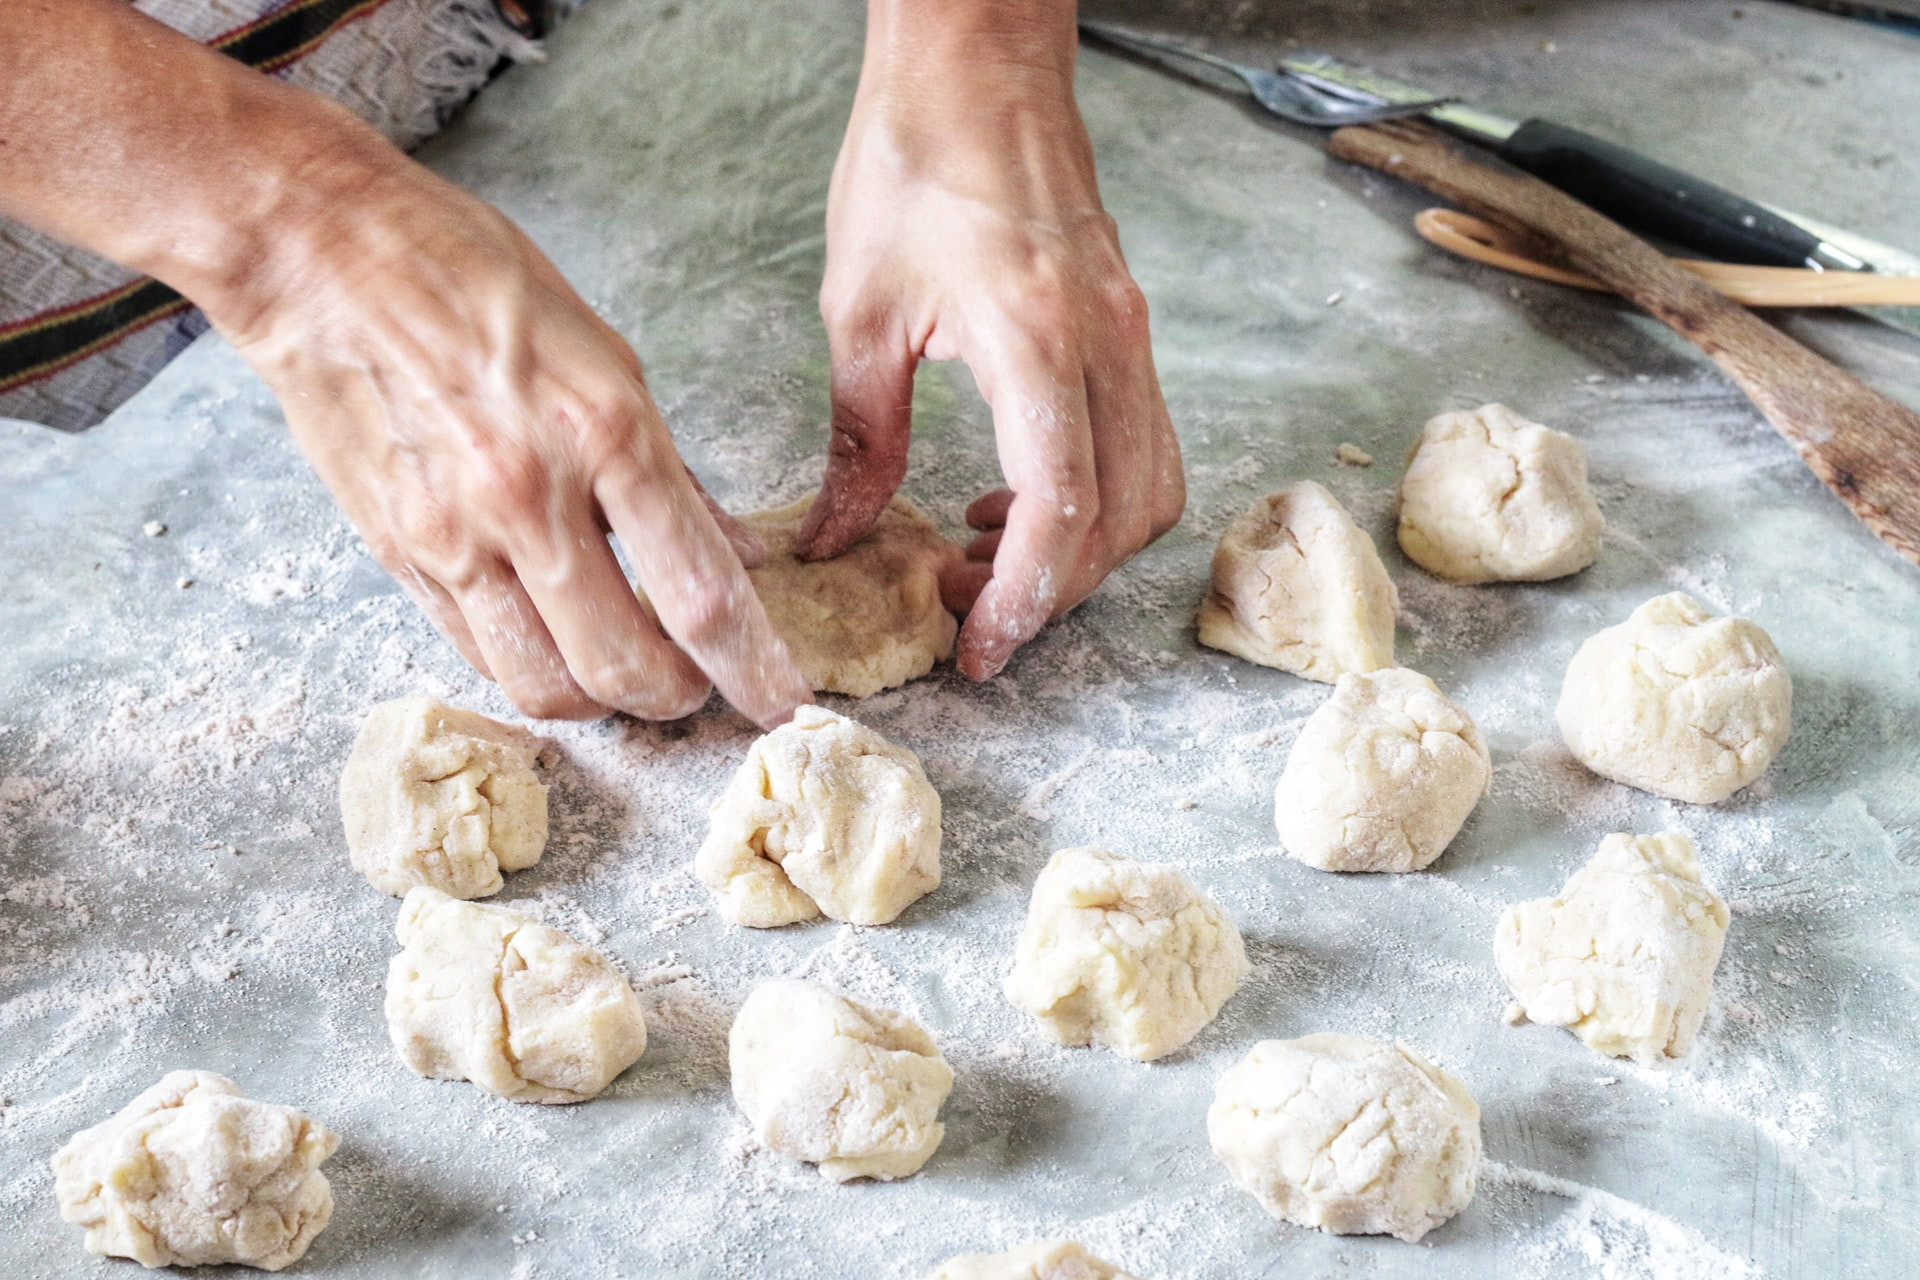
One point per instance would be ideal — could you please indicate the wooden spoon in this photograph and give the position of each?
(1468, 236)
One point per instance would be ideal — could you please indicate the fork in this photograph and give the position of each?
(1279, 93)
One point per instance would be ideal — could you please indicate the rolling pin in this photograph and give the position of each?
(1861, 444)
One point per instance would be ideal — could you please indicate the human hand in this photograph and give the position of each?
(484, 430)
(964, 223)
(481, 426)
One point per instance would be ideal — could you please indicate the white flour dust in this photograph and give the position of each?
(1616, 1238)
(174, 892)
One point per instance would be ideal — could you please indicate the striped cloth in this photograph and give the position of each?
(79, 335)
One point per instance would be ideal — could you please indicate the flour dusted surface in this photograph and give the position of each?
(151, 731)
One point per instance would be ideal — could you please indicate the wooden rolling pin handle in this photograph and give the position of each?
(1863, 445)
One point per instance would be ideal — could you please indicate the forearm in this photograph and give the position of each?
(978, 94)
(126, 138)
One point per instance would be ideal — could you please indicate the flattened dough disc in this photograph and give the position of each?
(871, 617)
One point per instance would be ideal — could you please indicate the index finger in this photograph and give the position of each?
(1045, 439)
(699, 589)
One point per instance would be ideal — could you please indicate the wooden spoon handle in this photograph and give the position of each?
(1862, 445)
(1468, 236)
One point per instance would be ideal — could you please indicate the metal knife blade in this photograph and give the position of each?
(1882, 259)
(1631, 188)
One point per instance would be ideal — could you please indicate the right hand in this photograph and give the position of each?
(484, 429)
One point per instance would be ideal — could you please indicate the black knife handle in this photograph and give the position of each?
(1657, 199)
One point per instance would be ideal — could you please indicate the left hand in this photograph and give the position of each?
(964, 222)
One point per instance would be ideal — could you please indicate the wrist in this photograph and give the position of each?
(926, 52)
(310, 176)
(124, 137)
(973, 98)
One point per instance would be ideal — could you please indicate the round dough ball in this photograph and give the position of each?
(1041, 1260)
(1298, 585)
(1124, 954)
(854, 1089)
(1381, 777)
(1491, 497)
(191, 1174)
(1347, 1134)
(871, 617)
(496, 997)
(1677, 701)
(437, 796)
(1624, 956)
(825, 817)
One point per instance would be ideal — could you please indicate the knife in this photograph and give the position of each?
(1628, 187)
(1634, 189)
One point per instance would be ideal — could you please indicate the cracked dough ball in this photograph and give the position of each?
(1298, 585)
(1041, 1260)
(1677, 701)
(1381, 777)
(1624, 956)
(825, 817)
(854, 1089)
(871, 617)
(1124, 954)
(1347, 1134)
(1491, 497)
(519, 1008)
(438, 796)
(191, 1174)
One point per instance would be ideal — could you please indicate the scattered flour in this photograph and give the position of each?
(173, 891)
(1616, 1238)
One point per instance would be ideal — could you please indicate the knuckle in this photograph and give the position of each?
(1040, 305)
(547, 700)
(1131, 536)
(675, 704)
(1169, 504)
(1143, 535)
(1126, 308)
(857, 439)
(647, 690)
(385, 549)
(510, 476)
(605, 431)
(431, 538)
(845, 307)
(704, 620)
(1074, 507)
(612, 681)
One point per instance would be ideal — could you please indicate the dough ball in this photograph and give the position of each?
(1041, 1260)
(1348, 1135)
(1297, 585)
(871, 617)
(825, 817)
(1123, 954)
(1491, 497)
(1382, 776)
(493, 996)
(854, 1089)
(191, 1174)
(438, 796)
(1624, 957)
(1677, 701)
